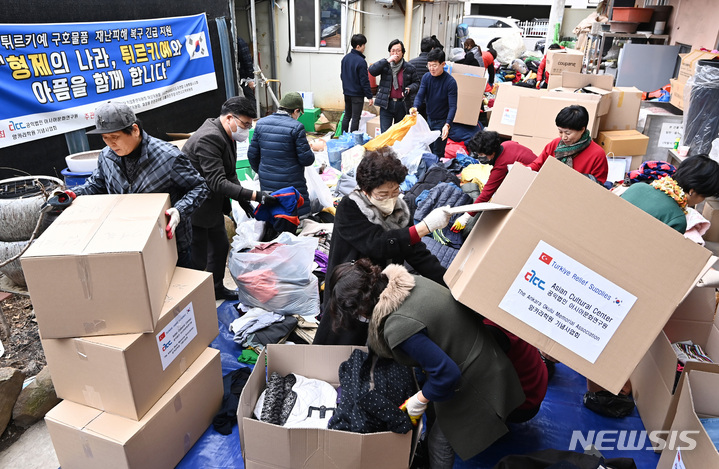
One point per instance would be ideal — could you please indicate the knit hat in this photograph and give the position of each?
(111, 117)
(292, 101)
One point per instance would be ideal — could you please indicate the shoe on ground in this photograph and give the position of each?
(225, 294)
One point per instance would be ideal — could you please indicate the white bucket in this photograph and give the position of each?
(85, 162)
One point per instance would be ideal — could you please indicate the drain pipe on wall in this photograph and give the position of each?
(409, 7)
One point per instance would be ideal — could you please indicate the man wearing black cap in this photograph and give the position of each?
(213, 152)
(279, 150)
(134, 162)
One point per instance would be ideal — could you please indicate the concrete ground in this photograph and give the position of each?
(33, 450)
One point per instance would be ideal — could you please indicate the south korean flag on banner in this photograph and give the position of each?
(196, 45)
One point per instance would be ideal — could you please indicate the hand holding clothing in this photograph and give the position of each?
(267, 199)
(415, 407)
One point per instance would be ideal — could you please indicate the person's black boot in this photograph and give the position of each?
(225, 294)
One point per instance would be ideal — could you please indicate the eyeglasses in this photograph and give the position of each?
(243, 124)
(384, 195)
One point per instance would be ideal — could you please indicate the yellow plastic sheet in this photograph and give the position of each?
(393, 134)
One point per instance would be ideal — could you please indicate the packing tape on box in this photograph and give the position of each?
(183, 364)
(178, 403)
(620, 99)
(86, 445)
(80, 349)
(97, 325)
(187, 442)
(161, 228)
(92, 397)
(83, 273)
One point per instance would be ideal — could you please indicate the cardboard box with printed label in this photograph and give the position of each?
(126, 374)
(582, 83)
(272, 446)
(536, 115)
(711, 213)
(470, 92)
(102, 267)
(551, 273)
(677, 95)
(536, 144)
(373, 127)
(654, 378)
(687, 69)
(689, 444)
(564, 60)
(623, 142)
(623, 111)
(504, 112)
(87, 438)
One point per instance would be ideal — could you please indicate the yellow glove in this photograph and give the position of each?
(461, 222)
(414, 408)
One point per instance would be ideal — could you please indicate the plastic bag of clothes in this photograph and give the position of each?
(509, 48)
(391, 135)
(277, 276)
(415, 143)
(701, 117)
(317, 188)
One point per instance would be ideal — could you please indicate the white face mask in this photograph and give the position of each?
(385, 206)
(240, 135)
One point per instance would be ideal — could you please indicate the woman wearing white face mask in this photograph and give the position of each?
(374, 222)
(213, 152)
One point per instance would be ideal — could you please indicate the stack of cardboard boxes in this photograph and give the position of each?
(527, 115)
(125, 334)
(687, 69)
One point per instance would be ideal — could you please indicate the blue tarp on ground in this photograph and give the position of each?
(562, 413)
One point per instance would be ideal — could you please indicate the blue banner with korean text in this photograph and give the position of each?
(53, 76)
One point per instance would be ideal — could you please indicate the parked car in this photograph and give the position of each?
(483, 29)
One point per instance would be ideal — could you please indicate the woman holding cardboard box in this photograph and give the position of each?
(575, 146)
(470, 381)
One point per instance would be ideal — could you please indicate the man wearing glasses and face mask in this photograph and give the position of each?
(213, 152)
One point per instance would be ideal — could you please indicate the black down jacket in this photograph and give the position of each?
(410, 79)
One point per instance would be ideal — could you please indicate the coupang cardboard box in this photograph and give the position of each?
(552, 271)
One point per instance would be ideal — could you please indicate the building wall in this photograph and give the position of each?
(319, 72)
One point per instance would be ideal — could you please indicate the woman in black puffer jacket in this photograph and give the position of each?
(398, 79)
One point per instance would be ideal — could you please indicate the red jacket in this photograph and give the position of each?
(511, 153)
(592, 160)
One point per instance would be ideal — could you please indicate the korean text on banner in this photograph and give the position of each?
(54, 76)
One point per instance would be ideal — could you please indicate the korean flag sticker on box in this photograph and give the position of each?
(567, 302)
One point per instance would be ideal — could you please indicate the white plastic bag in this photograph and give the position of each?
(278, 280)
(419, 134)
(509, 48)
(317, 189)
(248, 233)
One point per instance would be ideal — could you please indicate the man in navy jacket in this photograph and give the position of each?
(279, 150)
(439, 90)
(355, 82)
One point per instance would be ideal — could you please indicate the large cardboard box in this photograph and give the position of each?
(85, 437)
(654, 377)
(470, 92)
(711, 213)
(552, 271)
(504, 112)
(623, 111)
(536, 115)
(536, 144)
(564, 60)
(687, 69)
(102, 267)
(272, 446)
(677, 95)
(126, 374)
(582, 83)
(623, 142)
(689, 444)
